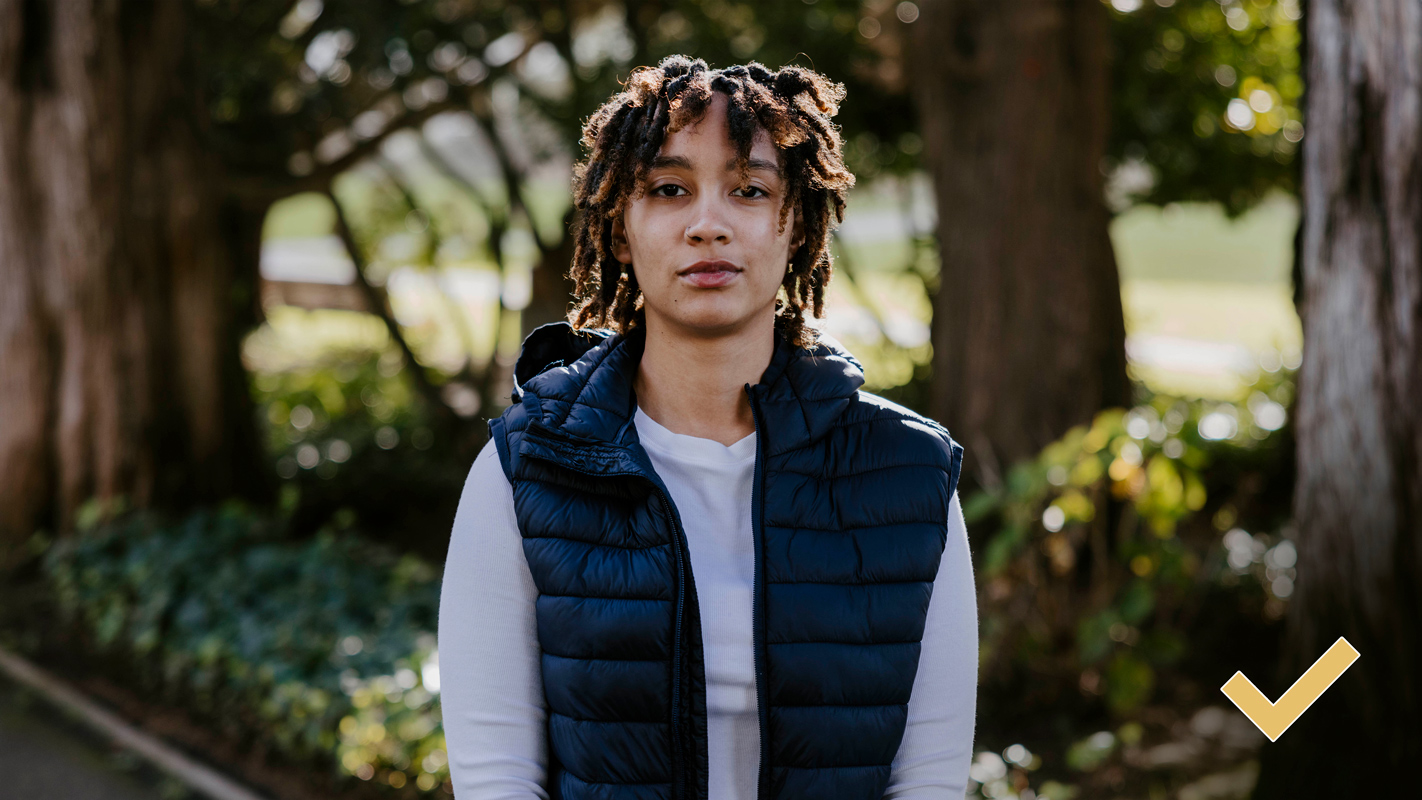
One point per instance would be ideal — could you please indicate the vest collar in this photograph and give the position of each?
(576, 388)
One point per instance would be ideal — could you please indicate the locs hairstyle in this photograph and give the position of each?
(793, 105)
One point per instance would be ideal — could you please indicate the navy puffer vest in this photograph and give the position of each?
(850, 513)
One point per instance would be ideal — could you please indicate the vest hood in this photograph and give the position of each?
(580, 383)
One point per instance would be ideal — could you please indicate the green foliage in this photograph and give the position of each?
(353, 445)
(281, 77)
(1091, 752)
(1206, 95)
(320, 650)
(1104, 566)
(1101, 546)
(325, 415)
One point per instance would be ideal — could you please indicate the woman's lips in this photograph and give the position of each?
(711, 279)
(709, 275)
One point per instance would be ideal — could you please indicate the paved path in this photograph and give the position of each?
(44, 756)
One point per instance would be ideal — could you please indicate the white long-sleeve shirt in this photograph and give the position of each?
(491, 690)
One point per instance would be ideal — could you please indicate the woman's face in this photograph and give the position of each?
(706, 248)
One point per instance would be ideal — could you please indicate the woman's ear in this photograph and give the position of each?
(621, 250)
(797, 233)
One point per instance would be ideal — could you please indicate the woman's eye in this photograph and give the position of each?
(747, 191)
(668, 190)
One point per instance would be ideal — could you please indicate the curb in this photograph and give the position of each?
(198, 777)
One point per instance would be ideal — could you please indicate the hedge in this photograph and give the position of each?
(321, 650)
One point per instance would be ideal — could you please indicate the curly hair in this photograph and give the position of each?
(792, 105)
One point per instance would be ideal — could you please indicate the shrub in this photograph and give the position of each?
(1097, 564)
(350, 441)
(1117, 569)
(323, 650)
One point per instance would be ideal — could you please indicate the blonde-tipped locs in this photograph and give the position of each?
(793, 105)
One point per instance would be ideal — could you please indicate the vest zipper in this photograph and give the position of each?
(678, 757)
(758, 605)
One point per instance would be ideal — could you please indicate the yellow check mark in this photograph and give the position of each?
(1275, 718)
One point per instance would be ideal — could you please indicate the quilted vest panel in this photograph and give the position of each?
(849, 514)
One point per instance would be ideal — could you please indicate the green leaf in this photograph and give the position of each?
(1093, 636)
(1129, 681)
(1091, 752)
(1137, 601)
(1002, 547)
(978, 506)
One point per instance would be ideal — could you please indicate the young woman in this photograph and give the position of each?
(697, 561)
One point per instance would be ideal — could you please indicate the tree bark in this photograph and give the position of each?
(552, 295)
(1358, 501)
(127, 282)
(1028, 332)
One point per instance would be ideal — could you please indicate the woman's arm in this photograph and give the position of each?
(933, 760)
(490, 679)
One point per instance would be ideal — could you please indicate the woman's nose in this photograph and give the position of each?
(708, 222)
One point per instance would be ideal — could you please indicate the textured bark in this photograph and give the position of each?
(1358, 500)
(126, 274)
(1028, 332)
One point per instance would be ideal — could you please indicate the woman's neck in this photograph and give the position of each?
(695, 385)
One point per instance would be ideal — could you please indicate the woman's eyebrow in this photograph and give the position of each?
(754, 164)
(671, 162)
(681, 162)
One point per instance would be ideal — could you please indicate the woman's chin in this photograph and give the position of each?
(701, 318)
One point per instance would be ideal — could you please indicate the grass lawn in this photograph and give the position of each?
(1189, 274)
(1196, 242)
(1257, 316)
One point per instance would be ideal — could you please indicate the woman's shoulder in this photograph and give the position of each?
(486, 476)
(891, 433)
(871, 409)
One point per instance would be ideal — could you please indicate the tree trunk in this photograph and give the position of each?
(552, 289)
(1358, 500)
(1028, 332)
(126, 276)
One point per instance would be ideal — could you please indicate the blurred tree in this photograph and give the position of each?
(1025, 108)
(140, 147)
(299, 94)
(1028, 336)
(268, 98)
(142, 176)
(1205, 101)
(1358, 500)
(128, 274)
(306, 91)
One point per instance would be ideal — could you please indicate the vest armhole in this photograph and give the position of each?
(955, 467)
(501, 443)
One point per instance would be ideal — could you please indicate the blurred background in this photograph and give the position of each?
(265, 267)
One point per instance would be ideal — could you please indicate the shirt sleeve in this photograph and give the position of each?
(937, 749)
(490, 676)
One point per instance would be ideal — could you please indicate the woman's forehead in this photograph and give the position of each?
(710, 137)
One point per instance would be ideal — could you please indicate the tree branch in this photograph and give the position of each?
(512, 182)
(397, 179)
(370, 146)
(378, 300)
(847, 271)
(498, 223)
(274, 187)
(439, 162)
